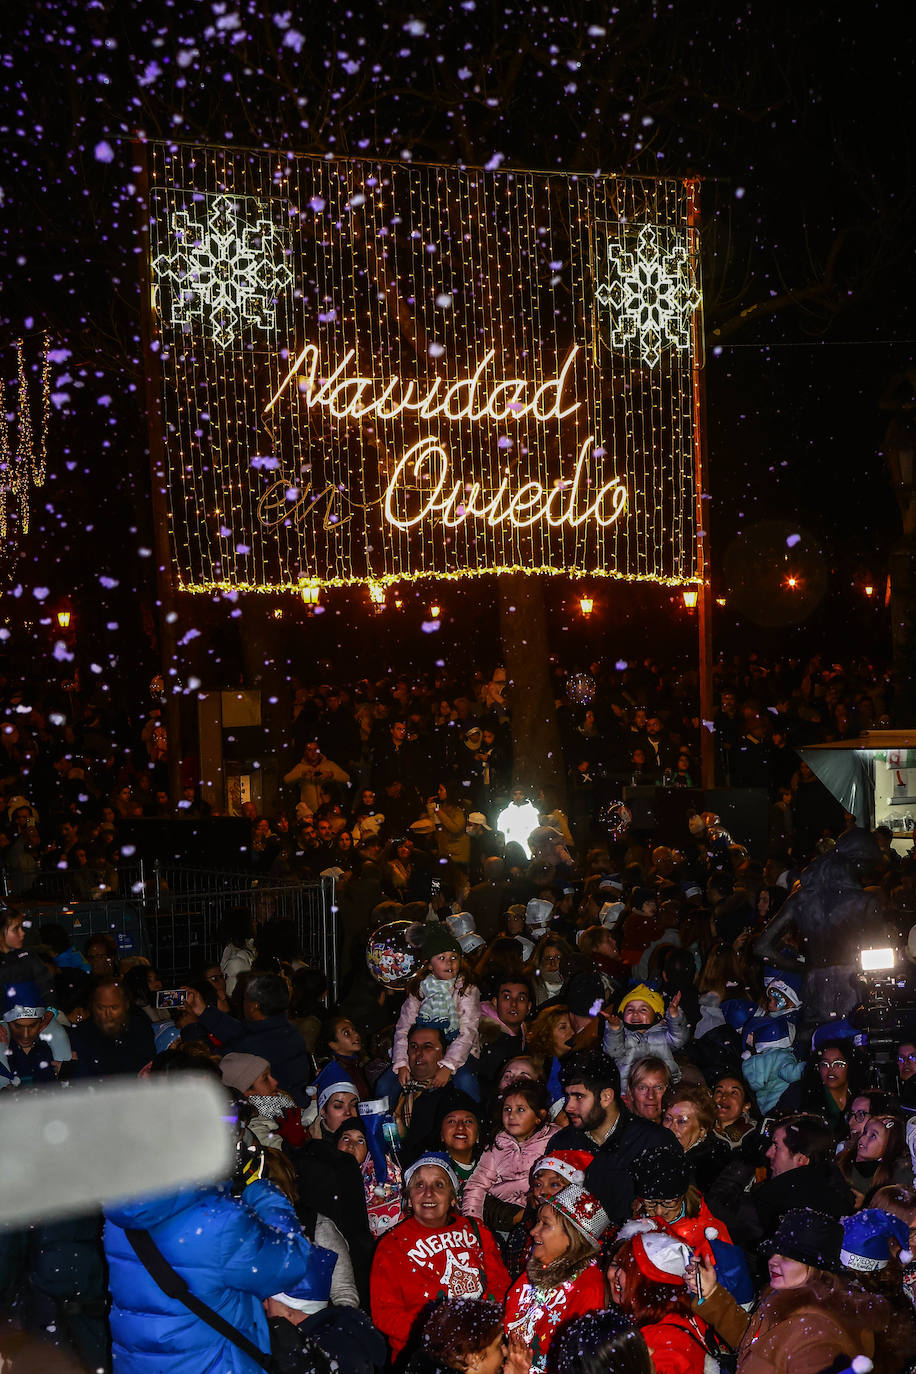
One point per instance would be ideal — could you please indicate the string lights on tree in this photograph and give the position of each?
(23, 461)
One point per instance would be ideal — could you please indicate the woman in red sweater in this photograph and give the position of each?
(562, 1279)
(434, 1252)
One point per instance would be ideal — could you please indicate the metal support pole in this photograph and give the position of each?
(168, 615)
(704, 590)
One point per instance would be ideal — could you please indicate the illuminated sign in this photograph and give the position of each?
(377, 371)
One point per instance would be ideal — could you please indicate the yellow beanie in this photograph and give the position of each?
(644, 994)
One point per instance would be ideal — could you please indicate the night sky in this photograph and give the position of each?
(798, 116)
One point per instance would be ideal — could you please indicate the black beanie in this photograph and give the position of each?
(661, 1173)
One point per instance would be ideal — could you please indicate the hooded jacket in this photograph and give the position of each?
(232, 1252)
(504, 1168)
(414, 1264)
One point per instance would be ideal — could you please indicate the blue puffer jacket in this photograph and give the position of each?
(232, 1252)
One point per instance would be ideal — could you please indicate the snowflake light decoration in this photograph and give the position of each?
(649, 292)
(224, 272)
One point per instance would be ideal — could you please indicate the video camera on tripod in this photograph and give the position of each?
(886, 1014)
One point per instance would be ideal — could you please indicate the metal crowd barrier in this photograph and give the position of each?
(172, 915)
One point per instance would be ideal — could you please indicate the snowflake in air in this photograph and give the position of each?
(225, 271)
(649, 293)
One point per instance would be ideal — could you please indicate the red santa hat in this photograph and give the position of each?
(661, 1257)
(569, 1164)
(661, 1254)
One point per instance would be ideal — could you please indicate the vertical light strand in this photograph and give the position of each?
(25, 456)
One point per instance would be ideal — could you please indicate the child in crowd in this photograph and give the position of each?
(643, 1027)
(498, 1188)
(769, 1064)
(442, 995)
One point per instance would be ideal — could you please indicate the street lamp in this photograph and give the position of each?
(63, 619)
(435, 610)
(869, 589)
(310, 593)
(586, 605)
(691, 596)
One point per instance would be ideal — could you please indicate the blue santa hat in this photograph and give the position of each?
(313, 1292)
(841, 1028)
(771, 1033)
(788, 986)
(865, 1239)
(23, 1002)
(736, 1011)
(332, 1079)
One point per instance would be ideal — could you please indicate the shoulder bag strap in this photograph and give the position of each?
(175, 1287)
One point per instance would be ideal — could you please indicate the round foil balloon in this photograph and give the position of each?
(581, 688)
(617, 817)
(391, 957)
(718, 833)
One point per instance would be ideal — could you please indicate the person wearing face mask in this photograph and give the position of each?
(809, 1319)
(276, 1116)
(643, 1027)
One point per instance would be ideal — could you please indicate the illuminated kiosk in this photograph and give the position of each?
(376, 371)
(873, 777)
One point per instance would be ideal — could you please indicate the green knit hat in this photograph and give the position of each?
(438, 939)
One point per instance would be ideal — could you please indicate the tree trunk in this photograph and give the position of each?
(903, 630)
(535, 733)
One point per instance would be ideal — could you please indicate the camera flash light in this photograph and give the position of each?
(874, 960)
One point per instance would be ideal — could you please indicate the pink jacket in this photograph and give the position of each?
(466, 1041)
(503, 1170)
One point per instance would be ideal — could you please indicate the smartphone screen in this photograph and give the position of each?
(172, 999)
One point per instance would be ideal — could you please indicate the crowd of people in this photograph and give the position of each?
(584, 1097)
(365, 760)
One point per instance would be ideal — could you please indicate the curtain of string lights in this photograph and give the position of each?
(374, 372)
